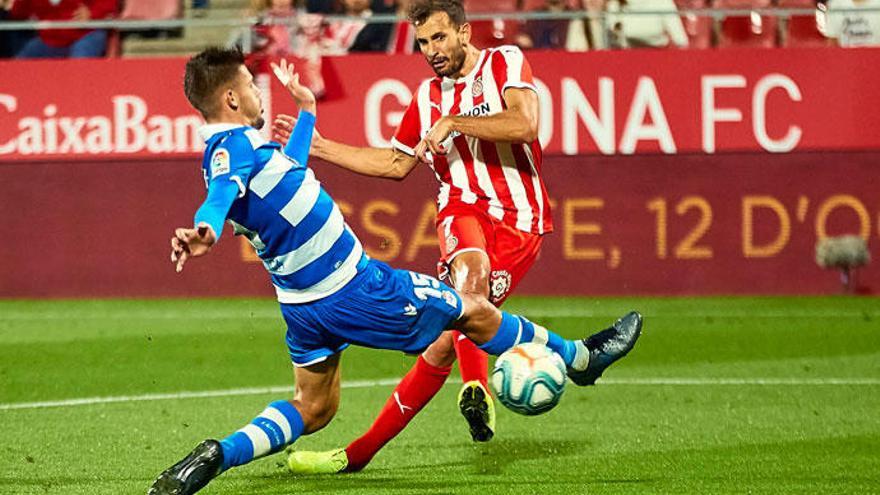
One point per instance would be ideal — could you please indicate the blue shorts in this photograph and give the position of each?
(381, 308)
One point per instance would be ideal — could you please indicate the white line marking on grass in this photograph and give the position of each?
(232, 392)
(87, 401)
(742, 381)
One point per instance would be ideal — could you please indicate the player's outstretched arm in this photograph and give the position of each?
(299, 133)
(209, 218)
(299, 141)
(373, 162)
(389, 163)
(289, 77)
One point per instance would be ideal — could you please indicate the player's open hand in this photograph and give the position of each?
(188, 243)
(283, 126)
(289, 77)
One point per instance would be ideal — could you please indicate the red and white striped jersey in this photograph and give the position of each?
(503, 179)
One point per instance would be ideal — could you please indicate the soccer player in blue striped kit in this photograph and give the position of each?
(331, 293)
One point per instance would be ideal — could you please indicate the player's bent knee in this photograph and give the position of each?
(480, 319)
(470, 273)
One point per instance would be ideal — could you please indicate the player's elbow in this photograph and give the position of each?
(396, 173)
(530, 133)
(399, 166)
(528, 127)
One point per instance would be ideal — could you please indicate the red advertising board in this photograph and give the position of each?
(657, 163)
(669, 102)
(686, 224)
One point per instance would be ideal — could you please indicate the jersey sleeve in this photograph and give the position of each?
(408, 133)
(511, 69)
(230, 166)
(301, 138)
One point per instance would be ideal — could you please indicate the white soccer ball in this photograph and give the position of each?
(529, 379)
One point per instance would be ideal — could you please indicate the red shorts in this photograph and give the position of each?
(511, 251)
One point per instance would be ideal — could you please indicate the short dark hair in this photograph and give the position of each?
(420, 10)
(206, 72)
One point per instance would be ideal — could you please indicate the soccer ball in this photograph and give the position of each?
(529, 378)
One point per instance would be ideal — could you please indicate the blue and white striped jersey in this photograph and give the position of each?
(272, 197)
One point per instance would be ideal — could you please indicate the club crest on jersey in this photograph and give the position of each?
(220, 162)
(499, 284)
(477, 87)
(451, 243)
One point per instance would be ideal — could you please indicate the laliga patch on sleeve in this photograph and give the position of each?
(220, 162)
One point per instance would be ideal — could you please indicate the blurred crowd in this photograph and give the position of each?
(609, 24)
(311, 28)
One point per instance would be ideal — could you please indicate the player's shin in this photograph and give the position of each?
(280, 424)
(416, 389)
(515, 329)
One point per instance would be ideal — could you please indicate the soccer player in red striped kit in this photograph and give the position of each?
(476, 125)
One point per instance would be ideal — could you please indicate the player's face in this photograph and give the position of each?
(250, 104)
(443, 44)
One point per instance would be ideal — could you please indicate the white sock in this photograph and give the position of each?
(581, 356)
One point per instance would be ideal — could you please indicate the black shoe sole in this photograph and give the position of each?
(473, 408)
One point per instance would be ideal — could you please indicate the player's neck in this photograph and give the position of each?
(472, 55)
(228, 118)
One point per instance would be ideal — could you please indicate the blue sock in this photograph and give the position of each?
(516, 329)
(279, 425)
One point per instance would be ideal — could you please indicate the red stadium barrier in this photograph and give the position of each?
(599, 102)
(688, 224)
(88, 220)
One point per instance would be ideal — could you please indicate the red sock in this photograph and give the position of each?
(420, 384)
(472, 361)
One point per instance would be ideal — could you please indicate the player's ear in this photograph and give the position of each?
(231, 99)
(464, 33)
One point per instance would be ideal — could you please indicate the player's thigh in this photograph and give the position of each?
(512, 253)
(464, 262)
(317, 392)
(469, 272)
(307, 342)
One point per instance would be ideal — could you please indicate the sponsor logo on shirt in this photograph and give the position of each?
(481, 109)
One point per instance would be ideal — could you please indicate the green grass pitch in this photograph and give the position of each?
(721, 395)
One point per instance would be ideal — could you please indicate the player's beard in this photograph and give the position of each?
(259, 122)
(456, 61)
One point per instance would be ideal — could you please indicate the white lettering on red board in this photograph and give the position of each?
(131, 129)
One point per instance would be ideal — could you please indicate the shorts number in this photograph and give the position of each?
(425, 286)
